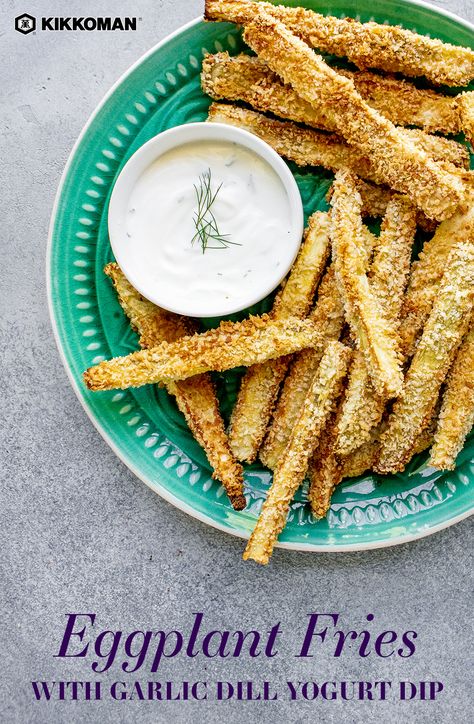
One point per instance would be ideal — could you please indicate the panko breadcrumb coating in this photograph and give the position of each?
(466, 106)
(232, 344)
(291, 469)
(325, 471)
(328, 317)
(444, 330)
(260, 384)
(367, 45)
(304, 146)
(375, 201)
(401, 164)
(426, 274)
(374, 332)
(248, 79)
(196, 397)
(362, 408)
(457, 410)
(308, 147)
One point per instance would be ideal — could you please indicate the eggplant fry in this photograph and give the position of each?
(305, 146)
(153, 324)
(444, 330)
(466, 105)
(325, 470)
(367, 45)
(375, 201)
(400, 164)
(248, 79)
(457, 410)
(363, 408)
(426, 275)
(260, 384)
(291, 470)
(406, 105)
(196, 397)
(232, 344)
(365, 457)
(328, 317)
(375, 335)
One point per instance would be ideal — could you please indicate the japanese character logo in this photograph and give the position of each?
(25, 23)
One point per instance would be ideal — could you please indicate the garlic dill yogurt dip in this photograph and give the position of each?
(205, 220)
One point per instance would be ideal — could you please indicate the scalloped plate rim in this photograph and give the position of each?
(157, 487)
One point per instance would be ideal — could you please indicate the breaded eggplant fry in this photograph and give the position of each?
(246, 78)
(328, 317)
(444, 330)
(363, 408)
(367, 45)
(406, 105)
(318, 405)
(365, 457)
(457, 410)
(466, 109)
(325, 471)
(402, 165)
(305, 146)
(375, 335)
(426, 275)
(232, 344)
(260, 384)
(388, 274)
(362, 459)
(196, 397)
(153, 324)
(375, 201)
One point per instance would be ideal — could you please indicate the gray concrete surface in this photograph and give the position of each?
(80, 533)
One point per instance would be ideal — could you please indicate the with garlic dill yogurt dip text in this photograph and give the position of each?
(205, 220)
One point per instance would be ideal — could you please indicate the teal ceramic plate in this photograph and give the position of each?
(143, 426)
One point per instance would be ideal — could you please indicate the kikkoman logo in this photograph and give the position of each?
(27, 23)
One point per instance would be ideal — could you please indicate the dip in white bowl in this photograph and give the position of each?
(194, 257)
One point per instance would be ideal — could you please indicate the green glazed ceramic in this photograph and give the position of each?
(143, 426)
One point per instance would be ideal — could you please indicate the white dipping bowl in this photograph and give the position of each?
(161, 290)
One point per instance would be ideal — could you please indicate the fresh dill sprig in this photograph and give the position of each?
(207, 229)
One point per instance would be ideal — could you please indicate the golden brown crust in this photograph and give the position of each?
(152, 323)
(367, 45)
(406, 105)
(232, 344)
(307, 147)
(373, 331)
(325, 471)
(361, 460)
(318, 405)
(255, 402)
(363, 408)
(426, 275)
(444, 330)
(466, 109)
(328, 317)
(457, 411)
(375, 201)
(260, 384)
(402, 165)
(248, 79)
(196, 397)
(304, 146)
(365, 457)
